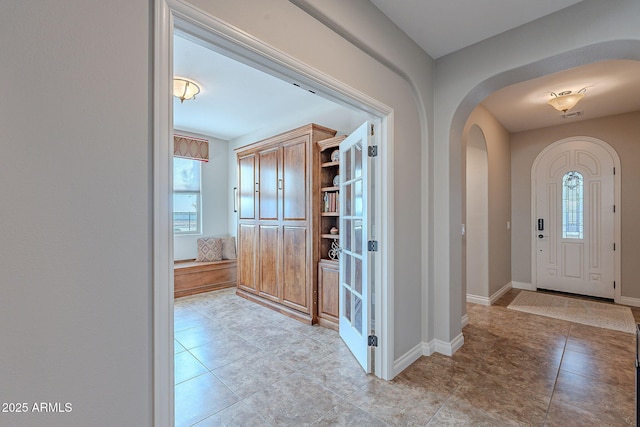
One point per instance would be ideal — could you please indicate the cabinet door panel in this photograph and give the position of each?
(247, 250)
(246, 187)
(294, 283)
(295, 174)
(268, 194)
(269, 261)
(328, 306)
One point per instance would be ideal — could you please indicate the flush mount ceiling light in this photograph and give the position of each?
(566, 100)
(185, 88)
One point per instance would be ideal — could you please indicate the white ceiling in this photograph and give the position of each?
(440, 27)
(237, 100)
(612, 87)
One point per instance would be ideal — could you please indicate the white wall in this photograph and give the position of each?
(75, 211)
(216, 205)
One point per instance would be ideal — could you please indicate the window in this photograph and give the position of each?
(572, 206)
(186, 196)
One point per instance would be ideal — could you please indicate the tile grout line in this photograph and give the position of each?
(555, 383)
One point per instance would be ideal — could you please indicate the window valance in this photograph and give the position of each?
(190, 148)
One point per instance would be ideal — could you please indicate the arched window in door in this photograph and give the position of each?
(572, 206)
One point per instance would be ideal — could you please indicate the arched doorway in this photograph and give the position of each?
(617, 49)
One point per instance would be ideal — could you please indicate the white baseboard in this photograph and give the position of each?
(427, 349)
(465, 320)
(448, 348)
(523, 285)
(477, 299)
(633, 302)
(408, 358)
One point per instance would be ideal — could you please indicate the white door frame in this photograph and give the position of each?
(232, 42)
(616, 219)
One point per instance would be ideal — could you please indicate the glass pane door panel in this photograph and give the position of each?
(348, 194)
(347, 170)
(357, 167)
(347, 305)
(348, 272)
(357, 314)
(347, 244)
(357, 198)
(357, 280)
(357, 234)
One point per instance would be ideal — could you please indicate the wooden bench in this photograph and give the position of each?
(191, 277)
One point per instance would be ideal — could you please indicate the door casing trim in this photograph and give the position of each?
(173, 15)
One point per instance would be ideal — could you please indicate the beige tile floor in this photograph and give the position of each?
(240, 364)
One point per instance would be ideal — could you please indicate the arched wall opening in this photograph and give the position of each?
(617, 49)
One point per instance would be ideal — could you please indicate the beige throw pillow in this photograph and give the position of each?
(209, 249)
(229, 248)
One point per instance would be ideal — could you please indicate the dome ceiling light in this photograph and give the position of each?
(566, 100)
(185, 88)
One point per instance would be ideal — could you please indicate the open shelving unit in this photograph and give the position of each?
(328, 266)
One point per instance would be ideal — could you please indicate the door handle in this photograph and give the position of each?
(280, 184)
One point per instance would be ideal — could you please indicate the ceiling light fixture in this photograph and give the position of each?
(185, 88)
(566, 100)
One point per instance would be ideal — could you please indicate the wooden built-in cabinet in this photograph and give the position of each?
(278, 213)
(329, 208)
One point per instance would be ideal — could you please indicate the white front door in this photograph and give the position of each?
(355, 292)
(574, 219)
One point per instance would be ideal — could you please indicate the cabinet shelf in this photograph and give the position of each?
(330, 164)
(328, 269)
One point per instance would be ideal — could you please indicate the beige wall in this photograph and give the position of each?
(622, 132)
(498, 142)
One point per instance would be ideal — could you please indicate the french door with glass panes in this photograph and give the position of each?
(354, 288)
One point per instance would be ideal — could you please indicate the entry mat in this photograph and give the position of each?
(599, 314)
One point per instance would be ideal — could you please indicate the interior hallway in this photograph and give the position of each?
(240, 364)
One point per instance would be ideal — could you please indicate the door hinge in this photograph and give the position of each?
(372, 341)
(614, 170)
(372, 132)
(614, 208)
(372, 150)
(614, 284)
(614, 246)
(372, 245)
